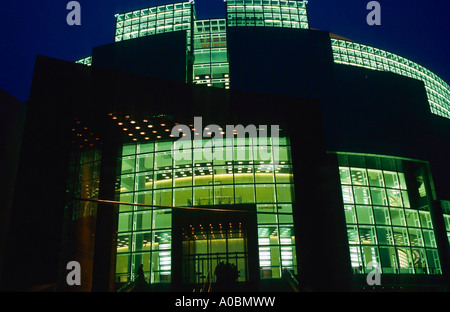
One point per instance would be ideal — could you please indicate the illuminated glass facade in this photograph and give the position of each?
(234, 173)
(446, 214)
(211, 65)
(384, 229)
(267, 13)
(355, 54)
(155, 20)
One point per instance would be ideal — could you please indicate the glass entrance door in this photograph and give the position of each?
(208, 248)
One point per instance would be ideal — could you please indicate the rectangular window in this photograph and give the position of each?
(144, 181)
(381, 215)
(163, 160)
(365, 215)
(385, 236)
(182, 196)
(223, 195)
(367, 235)
(388, 259)
(162, 218)
(362, 195)
(203, 195)
(144, 162)
(265, 193)
(285, 193)
(244, 194)
(350, 214)
(142, 220)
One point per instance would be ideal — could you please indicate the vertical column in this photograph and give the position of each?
(319, 220)
(438, 222)
(107, 219)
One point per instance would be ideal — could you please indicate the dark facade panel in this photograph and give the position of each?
(37, 212)
(292, 62)
(10, 144)
(162, 56)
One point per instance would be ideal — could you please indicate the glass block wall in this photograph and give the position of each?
(211, 66)
(267, 13)
(233, 174)
(355, 54)
(384, 229)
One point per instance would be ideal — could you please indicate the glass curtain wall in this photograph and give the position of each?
(384, 229)
(355, 54)
(267, 13)
(211, 65)
(155, 20)
(234, 172)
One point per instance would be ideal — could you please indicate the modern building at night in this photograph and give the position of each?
(356, 178)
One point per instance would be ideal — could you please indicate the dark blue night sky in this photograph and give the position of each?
(418, 30)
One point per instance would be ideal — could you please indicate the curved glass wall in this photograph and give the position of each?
(233, 173)
(385, 228)
(355, 54)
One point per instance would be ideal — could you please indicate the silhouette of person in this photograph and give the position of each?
(140, 272)
(226, 276)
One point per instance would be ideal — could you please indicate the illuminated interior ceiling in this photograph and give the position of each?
(83, 136)
(213, 231)
(147, 127)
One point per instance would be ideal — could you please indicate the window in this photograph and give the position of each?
(382, 226)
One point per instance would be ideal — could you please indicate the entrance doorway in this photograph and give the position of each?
(209, 249)
(211, 240)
